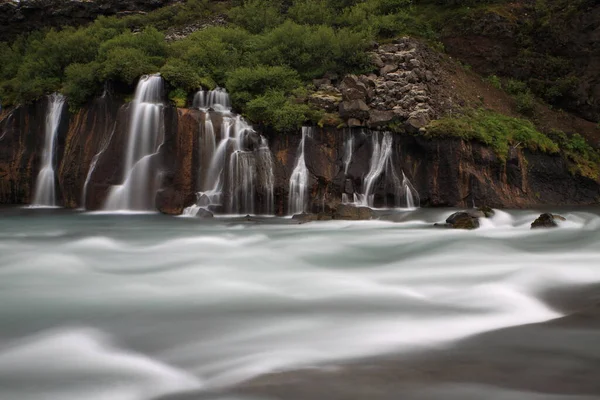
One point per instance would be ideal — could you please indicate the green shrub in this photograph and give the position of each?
(515, 87)
(178, 97)
(181, 75)
(525, 103)
(257, 16)
(495, 81)
(81, 83)
(246, 84)
(495, 130)
(277, 110)
(311, 12)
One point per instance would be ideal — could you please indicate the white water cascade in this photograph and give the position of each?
(217, 99)
(45, 191)
(382, 167)
(146, 134)
(235, 175)
(298, 194)
(348, 149)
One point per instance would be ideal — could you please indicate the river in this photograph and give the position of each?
(141, 306)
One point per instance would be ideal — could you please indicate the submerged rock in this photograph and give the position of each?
(488, 212)
(204, 213)
(307, 217)
(547, 220)
(352, 213)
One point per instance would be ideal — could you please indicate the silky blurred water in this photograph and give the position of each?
(132, 307)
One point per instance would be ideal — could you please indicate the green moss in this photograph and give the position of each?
(583, 159)
(178, 97)
(498, 131)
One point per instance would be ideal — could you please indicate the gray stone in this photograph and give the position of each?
(352, 213)
(379, 118)
(354, 109)
(354, 123)
(547, 220)
(417, 120)
(388, 69)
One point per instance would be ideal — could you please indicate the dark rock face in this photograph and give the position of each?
(445, 172)
(28, 15)
(547, 220)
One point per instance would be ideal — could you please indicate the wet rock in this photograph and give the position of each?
(204, 213)
(308, 217)
(488, 212)
(463, 220)
(172, 202)
(352, 213)
(547, 220)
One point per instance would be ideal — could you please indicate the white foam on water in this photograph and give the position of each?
(75, 364)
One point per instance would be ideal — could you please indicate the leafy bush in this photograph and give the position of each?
(257, 16)
(246, 83)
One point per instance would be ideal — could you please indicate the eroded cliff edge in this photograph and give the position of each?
(444, 171)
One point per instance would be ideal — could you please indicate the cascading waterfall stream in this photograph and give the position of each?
(235, 174)
(298, 194)
(348, 149)
(381, 166)
(146, 134)
(93, 164)
(217, 99)
(45, 191)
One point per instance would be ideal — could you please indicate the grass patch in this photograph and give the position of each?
(497, 131)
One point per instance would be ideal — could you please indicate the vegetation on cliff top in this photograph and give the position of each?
(267, 56)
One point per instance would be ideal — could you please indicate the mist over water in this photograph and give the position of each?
(132, 307)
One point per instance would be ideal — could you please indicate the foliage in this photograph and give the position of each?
(495, 130)
(584, 159)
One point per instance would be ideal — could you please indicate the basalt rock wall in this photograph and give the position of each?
(445, 172)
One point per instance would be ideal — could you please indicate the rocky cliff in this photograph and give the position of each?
(17, 17)
(445, 172)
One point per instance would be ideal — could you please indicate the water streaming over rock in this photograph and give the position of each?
(217, 99)
(146, 134)
(348, 150)
(235, 174)
(94, 162)
(298, 194)
(382, 172)
(45, 188)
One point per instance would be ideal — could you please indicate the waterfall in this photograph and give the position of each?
(298, 194)
(238, 178)
(348, 149)
(217, 99)
(103, 147)
(45, 184)
(146, 134)
(381, 166)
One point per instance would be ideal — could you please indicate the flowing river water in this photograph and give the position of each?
(144, 306)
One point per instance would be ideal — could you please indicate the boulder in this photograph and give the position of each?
(547, 220)
(352, 213)
(325, 101)
(172, 202)
(417, 120)
(204, 213)
(463, 220)
(354, 123)
(354, 109)
(353, 89)
(379, 118)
